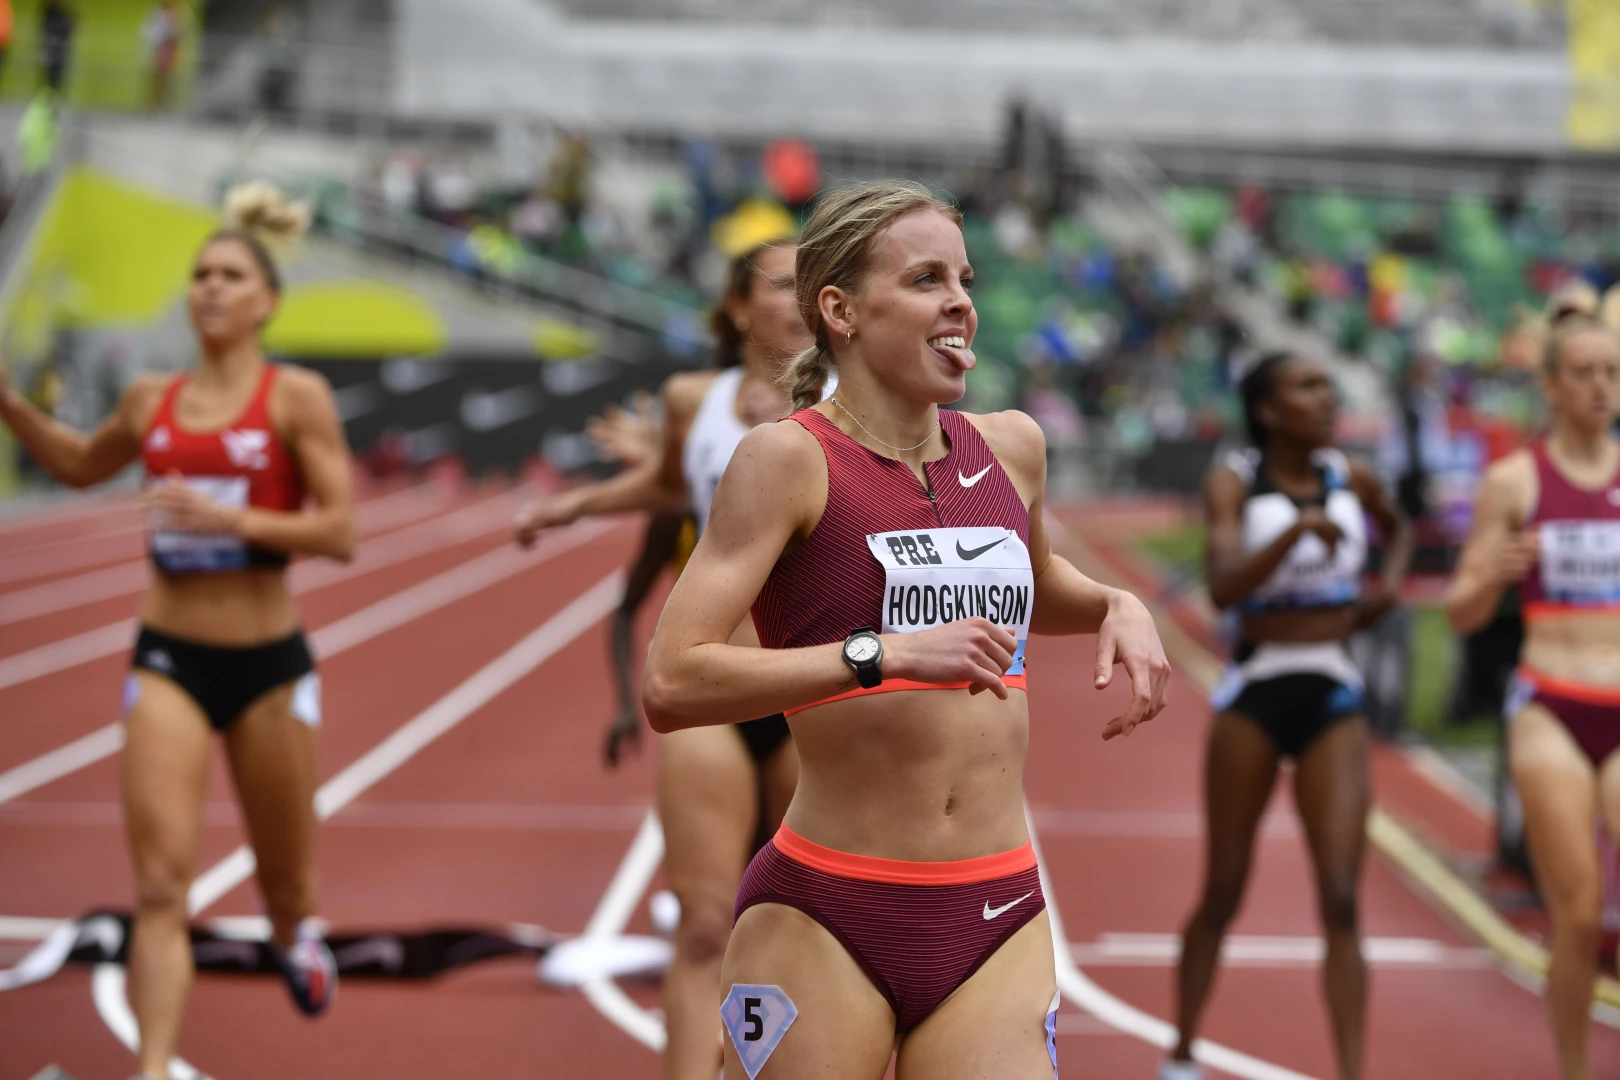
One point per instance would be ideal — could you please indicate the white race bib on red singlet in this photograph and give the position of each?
(180, 552)
(937, 576)
(1580, 562)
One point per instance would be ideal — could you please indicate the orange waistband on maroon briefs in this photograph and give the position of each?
(889, 686)
(1540, 609)
(1572, 688)
(902, 871)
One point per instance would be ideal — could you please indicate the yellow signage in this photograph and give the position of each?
(1594, 60)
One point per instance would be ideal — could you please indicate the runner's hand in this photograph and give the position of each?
(1519, 553)
(623, 435)
(543, 514)
(173, 505)
(1314, 519)
(975, 651)
(1127, 636)
(624, 731)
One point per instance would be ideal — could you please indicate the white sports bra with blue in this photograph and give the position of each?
(1309, 577)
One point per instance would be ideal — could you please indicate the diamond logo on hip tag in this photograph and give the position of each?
(757, 1017)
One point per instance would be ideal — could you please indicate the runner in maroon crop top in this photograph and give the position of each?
(884, 545)
(1548, 519)
(232, 453)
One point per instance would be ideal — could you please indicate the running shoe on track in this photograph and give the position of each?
(1171, 1069)
(310, 973)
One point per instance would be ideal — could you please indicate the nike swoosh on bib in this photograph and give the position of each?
(970, 554)
(991, 913)
(969, 481)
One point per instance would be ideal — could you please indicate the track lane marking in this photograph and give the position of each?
(438, 719)
(395, 540)
(403, 607)
(374, 514)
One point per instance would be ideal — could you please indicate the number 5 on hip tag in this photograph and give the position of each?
(757, 1017)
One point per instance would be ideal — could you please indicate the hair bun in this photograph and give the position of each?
(261, 210)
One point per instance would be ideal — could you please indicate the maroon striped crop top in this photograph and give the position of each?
(834, 583)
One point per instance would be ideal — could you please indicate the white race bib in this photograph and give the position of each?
(1580, 561)
(936, 576)
(178, 552)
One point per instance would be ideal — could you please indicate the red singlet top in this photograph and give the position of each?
(889, 557)
(241, 465)
(1579, 566)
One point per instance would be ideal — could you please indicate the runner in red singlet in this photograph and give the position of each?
(886, 545)
(1548, 520)
(246, 465)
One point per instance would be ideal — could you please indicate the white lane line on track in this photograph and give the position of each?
(388, 550)
(422, 599)
(385, 511)
(72, 508)
(1250, 950)
(635, 872)
(131, 577)
(1085, 994)
(494, 678)
(528, 817)
(609, 919)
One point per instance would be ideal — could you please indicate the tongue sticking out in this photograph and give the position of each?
(962, 358)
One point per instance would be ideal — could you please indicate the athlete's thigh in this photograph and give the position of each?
(1240, 769)
(1609, 794)
(843, 1027)
(163, 772)
(1333, 792)
(994, 1025)
(1558, 791)
(275, 763)
(708, 801)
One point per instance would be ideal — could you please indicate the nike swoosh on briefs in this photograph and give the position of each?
(990, 912)
(969, 481)
(973, 553)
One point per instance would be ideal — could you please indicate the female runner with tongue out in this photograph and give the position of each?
(886, 545)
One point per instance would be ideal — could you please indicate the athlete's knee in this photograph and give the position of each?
(1220, 904)
(704, 931)
(161, 884)
(1576, 915)
(1340, 905)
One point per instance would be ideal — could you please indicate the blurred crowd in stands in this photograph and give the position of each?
(1103, 340)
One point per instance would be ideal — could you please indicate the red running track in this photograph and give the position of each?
(510, 817)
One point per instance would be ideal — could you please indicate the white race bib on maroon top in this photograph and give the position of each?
(937, 576)
(1580, 562)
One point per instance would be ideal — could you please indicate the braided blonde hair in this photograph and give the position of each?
(835, 249)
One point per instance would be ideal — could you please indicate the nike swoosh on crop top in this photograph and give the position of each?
(241, 465)
(887, 555)
(1579, 566)
(1309, 577)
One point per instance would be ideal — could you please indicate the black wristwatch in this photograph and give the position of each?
(863, 652)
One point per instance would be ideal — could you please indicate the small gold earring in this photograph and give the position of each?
(849, 335)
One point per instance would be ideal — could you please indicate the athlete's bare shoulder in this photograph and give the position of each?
(1510, 486)
(779, 473)
(1015, 439)
(301, 386)
(142, 397)
(683, 393)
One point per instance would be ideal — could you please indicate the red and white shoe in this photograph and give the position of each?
(310, 972)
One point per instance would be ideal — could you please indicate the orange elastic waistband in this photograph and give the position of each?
(1572, 689)
(1540, 609)
(901, 871)
(889, 686)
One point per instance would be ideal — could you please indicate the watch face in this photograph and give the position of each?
(863, 648)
